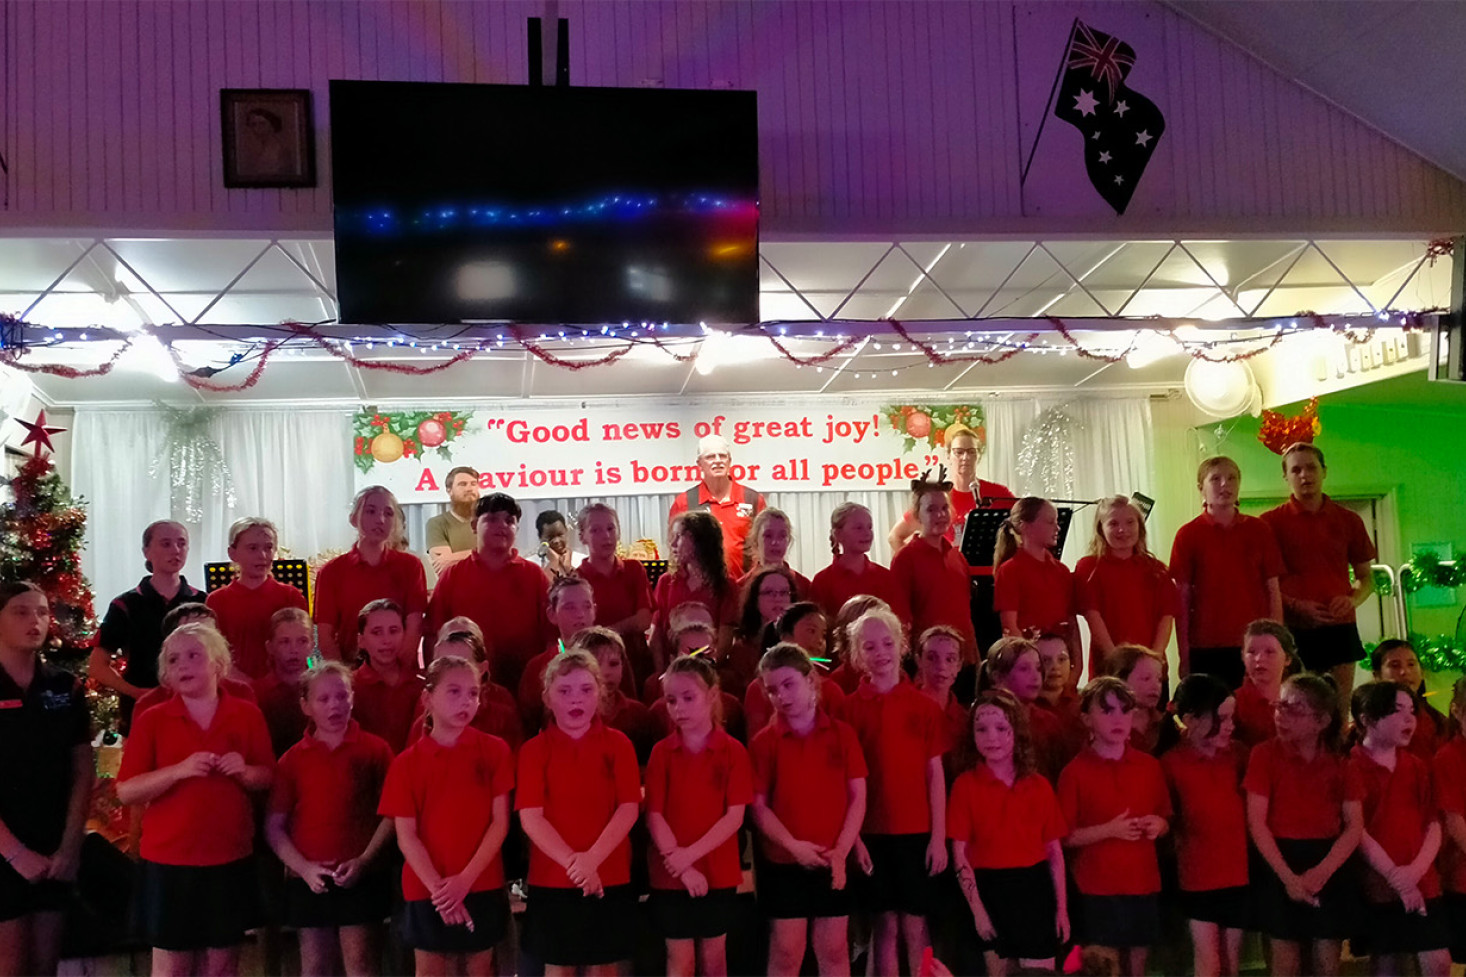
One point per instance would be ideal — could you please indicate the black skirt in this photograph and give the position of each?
(795, 892)
(1230, 908)
(21, 898)
(1281, 918)
(898, 881)
(423, 929)
(191, 907)
(1454, 904)
(366, 903)
(1023, 908)
(679, 916)
(1385, 927)
(568, 929)
(1122, 922)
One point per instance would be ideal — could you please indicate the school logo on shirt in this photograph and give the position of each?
(745, 510)
(52, 701)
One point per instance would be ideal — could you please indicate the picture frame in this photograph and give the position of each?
(269, 137)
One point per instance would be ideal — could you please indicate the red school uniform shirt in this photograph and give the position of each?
(205, 820)
(578, 783)
(1305, 797)
(621, 593)
(1041, 591)
(758, 711)
(498, 715)
(735, 517)
(1227, 568)
(963, 503)
(901, 731)
(348, 583)
(1449, 780)
(1399, 805)
(1432, 729)
(1211, 816)
(834, 585)
(693, 791)
(509, 604)
(1071, 724)
(672, 590)
(1053, 745)
(734, 720)
(805, 779)
(450, 790)
(1094, 790)
(330, 796)
(386, 710)
(280, 703)
(1003, 826)
(158, 695)
(801, 582)
(1254, 714)
(244, 619)
(936, 586)
(1318, 548)
(634, 720)
(1131, 595)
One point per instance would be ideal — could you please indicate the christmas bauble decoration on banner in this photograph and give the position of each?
(197, 472)
(1046, 455)
(1279, 431)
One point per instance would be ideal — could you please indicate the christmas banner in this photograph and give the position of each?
(533, 452)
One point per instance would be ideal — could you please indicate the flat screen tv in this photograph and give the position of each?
(544, 205)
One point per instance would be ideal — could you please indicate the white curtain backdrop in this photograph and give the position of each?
(295, 467)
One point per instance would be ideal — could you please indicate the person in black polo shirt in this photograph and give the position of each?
(45, 784)
(132, 629)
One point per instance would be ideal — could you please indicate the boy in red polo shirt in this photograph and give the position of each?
(808, 805)
(1226, 566)
(1115, 802)
(1033, 591)
(195, 761)
(323, 824)
(245, 605)
(572, 609)
(578, 798)
(1321, 542)
(449, 797)
(387, 693)
(698, 784)
(291, 641)
(505, 594)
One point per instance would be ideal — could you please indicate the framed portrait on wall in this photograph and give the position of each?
(269, 140)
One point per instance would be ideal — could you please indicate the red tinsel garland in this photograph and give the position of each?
(575, 366)
(203, 383)
(1089, 354)
(941, 359)
(820, 359)
(302, 331)
(12, 357)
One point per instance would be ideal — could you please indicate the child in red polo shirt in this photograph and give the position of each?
(387, 693)
(1114, 800)
(808, 804)
(1013, 666)
(698, 573)
(846, 675)
(195, 760)
(572, 609)
(1394, 660)
(1268, 654)
(498, 713)
(766, 594)
(938, 660)
(172, 621)
(1125, 594)
(904, 838)
(1006, 831)
(1033, 591)
(1144, 672)
(698, 784)
(803, 625)
(1449, 780)
(578, 798)
(618, 710)
(291, 641)
(852, 572)
(1402, 836)
(449, 796)
(623, 594)
(1304, 817)
(768, 544)
(1204, 771)
(1226, 567)
(245, 605)
(682, 617)
(323, 824)
(932, 577)
(1058, 696)
(694, 639)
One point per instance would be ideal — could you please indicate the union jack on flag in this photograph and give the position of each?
(1107, 58)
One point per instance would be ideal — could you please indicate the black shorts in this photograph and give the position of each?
(568, 929)
(191, 907)
(1280, 918)
(1230, 908)
(795, 892)
(1121, 922)
(1321, 649)
(366, 903)
(1223, 663)
(898, 882)
(1385, 927)
(1453, 904)
(678, 916)
(423, 929)
(1022, 905)
(21, 898)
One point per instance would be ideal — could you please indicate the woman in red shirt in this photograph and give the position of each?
(1125, 594)
(931, 576)
(1033, 592)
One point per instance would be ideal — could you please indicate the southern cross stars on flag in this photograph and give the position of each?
(1120, 126)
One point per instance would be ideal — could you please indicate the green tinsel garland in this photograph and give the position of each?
(1437, 654)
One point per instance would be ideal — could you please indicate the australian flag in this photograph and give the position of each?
(1120, 126)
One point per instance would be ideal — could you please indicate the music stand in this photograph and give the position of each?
(654, 569)
(296, 573)
(980, 534)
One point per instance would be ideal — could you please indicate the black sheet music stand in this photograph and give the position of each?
(980, 534)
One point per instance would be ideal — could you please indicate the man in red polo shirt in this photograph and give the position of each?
(732, 504)
(1321, 542)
